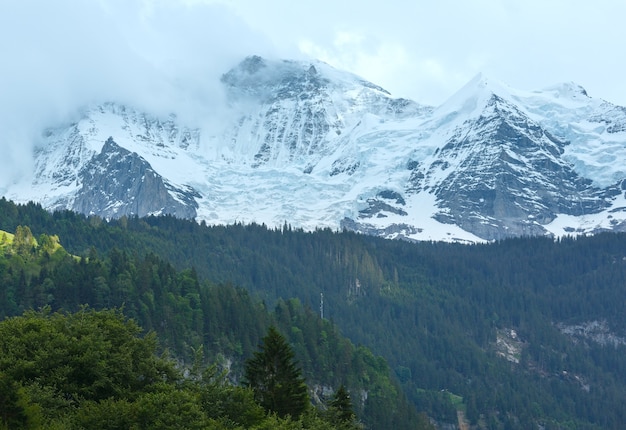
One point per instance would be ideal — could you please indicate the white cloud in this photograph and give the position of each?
(166, 55)
(162, 56)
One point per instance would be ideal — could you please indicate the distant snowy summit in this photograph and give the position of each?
(304, 143)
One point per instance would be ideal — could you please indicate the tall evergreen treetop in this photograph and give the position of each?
(343, 405)
(277, 382)
(340, 411)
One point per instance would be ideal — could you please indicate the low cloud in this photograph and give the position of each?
(161, 57)
(166, 56)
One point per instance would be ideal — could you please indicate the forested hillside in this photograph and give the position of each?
(92, 370)
(190, 315)
(513, 334)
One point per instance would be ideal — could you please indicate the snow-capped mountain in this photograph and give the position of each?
(303, 143)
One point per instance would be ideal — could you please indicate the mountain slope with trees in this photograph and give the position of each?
(192, 315)
(514, 334)
(92, 370)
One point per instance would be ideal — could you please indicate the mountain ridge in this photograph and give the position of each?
(304, 143)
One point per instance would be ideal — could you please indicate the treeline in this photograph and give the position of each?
(434, 311)
(188, 314)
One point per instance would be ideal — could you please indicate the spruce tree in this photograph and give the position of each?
(275, 379)
(342, 406)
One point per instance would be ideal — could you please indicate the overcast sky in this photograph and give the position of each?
(168, 54)
(428, 49)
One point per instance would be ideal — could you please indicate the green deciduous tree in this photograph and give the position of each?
(62, 360)
(277, 382)
(23, 241)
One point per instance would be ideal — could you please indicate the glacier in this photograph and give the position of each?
(302, 143)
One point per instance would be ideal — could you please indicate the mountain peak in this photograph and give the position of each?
(484, 83)
(474, 96)
(255, 75)
(252, 64)
(304, 142)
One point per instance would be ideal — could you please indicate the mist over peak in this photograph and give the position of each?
(160, 57)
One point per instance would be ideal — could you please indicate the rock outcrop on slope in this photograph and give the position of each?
(306, 144)
(118, 182)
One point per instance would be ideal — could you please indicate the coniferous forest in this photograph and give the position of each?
(518, 334)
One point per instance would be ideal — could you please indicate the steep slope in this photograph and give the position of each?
(502, 174)
(499, 163)
(303, 143)
(291, 113)
(119, 182)
(103, 164)
(507, 326)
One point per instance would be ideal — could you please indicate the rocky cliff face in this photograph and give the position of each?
(497, 169)
(117, 182)
(303, 143)
(292, 113)
(504, 175)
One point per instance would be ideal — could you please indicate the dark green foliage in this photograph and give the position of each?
(59, 361)
(186, 313)
(434, 311)
(230, 405)
(90, 355)
(12, 413)
(275, 379)
(343, 405)
(340, 410)
(134, 389)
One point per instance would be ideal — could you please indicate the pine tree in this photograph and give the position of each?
(340, 410)
(277, 382)
(342, 405)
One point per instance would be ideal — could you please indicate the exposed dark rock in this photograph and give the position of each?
(344, 165)
(512, 180)
(399, 231)
(376, 207)
(392, 195)
(117, 182)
